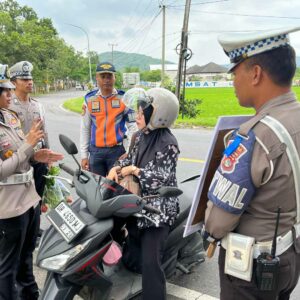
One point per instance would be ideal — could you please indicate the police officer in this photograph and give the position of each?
(29, 111)
(19, 209)
(103, 123)
(258, 173)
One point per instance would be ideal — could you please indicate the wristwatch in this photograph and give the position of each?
(133, 169)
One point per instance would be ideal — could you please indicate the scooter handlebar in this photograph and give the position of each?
(67, 169)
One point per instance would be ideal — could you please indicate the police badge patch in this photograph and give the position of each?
(115, 103)
(95, 106)
(228, 163)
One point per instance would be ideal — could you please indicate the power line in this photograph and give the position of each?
(240, 14)
(199, 3)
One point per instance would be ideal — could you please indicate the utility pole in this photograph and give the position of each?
(183, 46)
(163, 44)
(89, 52)
(112, 51)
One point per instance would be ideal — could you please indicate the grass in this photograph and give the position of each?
(215, 102)
(74, 104)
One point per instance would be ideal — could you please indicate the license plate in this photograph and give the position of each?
(66, 221)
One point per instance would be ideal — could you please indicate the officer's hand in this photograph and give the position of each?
(35, 134)
(85, 164)
(47, 156)
(114, 174)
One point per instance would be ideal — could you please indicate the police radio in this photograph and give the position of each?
(267, 267)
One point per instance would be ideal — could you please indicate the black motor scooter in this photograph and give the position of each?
(73, 248)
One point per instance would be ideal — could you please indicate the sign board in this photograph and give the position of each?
(208, 84)
(215, 153)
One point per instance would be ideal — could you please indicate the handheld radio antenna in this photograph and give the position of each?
(274, 243)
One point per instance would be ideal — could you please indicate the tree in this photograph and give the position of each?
(152, 76)
(26, 37)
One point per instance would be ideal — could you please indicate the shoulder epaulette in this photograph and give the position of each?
(32, 99)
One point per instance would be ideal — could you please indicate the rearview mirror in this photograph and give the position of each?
(169, 191)
(68, 144)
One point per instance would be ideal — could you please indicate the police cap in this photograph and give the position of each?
(21, 70)
(105, 67)
(4, 78)
(240, 46)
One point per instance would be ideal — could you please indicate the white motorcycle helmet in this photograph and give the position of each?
(165, 105)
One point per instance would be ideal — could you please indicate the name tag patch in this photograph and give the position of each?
(95, 106)
(115, 103)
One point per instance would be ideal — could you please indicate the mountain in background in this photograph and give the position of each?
(124, 59)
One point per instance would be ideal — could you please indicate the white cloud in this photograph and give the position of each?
(131, 24)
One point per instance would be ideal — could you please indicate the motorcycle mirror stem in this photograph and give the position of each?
(70, 148)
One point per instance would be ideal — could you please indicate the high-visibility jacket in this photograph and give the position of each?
(104, 120)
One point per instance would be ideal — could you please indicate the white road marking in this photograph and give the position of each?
(186, 294)
(68, 111)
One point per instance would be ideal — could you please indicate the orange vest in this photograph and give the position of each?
(108, 119)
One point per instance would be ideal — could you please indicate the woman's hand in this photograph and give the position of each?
(130, 170)
(35, 134)
(47, 156)
(114, 174)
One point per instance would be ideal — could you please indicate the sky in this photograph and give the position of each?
(136, 25)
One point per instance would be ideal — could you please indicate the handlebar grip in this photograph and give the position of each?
(152, 209)
(67, 169)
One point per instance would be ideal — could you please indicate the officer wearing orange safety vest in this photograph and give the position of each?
(105, 120)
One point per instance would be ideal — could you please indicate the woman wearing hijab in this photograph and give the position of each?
(153, 160)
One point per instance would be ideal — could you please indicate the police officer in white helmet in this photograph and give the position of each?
(153, 160)
(19, 201)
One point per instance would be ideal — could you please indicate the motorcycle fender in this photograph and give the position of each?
(57, 289)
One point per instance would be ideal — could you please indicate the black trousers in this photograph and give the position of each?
(17, 243)
(40, 169)
(102, 159)
(153, 278)
(233, 288)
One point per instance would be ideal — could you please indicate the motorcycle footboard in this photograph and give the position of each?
(56, 288)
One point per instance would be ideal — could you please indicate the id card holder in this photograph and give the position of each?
(239, 256)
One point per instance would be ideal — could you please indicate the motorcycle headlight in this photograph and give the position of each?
(60, 261)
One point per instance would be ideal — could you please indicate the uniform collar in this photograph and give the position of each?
(99, 93)
(277, 101)
(16, 98)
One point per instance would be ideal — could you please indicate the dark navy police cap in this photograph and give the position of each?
(105, 67)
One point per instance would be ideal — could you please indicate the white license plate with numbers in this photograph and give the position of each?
(66, 221)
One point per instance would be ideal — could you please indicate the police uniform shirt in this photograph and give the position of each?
(263, 168)
(15, 153)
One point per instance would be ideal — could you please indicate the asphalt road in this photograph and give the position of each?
(203, 282)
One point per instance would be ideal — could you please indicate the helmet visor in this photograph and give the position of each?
(137, 98)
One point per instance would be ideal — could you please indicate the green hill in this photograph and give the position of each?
(124, 59)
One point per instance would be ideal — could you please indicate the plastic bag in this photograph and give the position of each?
(53, 194)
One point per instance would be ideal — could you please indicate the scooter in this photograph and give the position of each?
(74, 247)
